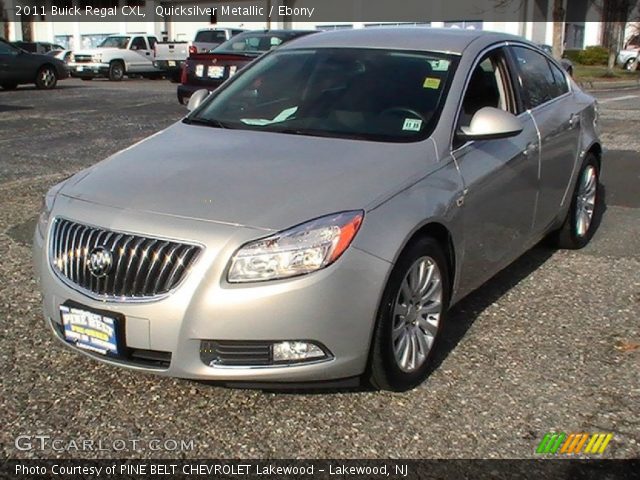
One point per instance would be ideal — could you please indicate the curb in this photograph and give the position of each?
(612, 85)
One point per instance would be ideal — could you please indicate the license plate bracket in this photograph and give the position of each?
(94, 330)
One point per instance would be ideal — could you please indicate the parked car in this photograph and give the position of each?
(627, 58)
(115, 57)
(314, 219)
(207, 39)
(19, 67)
(37, 47)
(64, 55)
(171, 56)
(565, 62)
(210, 70)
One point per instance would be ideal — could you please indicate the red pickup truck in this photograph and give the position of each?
(210, 70)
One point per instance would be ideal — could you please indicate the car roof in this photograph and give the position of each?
(450, 40)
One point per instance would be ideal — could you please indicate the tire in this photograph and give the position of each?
(9, 86)
(575, 233)
(629, 64)
(86, 79)
(386, 368)
(116, 71)
(46, 78)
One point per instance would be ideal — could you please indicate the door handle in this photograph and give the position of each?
(531, 149)
(574, 120)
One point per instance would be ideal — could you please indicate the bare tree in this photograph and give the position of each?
(559, 14)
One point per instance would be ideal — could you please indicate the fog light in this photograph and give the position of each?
(296, 351)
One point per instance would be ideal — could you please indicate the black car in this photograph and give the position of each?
(18, 66)
(37, 47)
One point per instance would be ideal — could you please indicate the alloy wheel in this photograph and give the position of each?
(416, 314)
(47, 77)
(586, 200)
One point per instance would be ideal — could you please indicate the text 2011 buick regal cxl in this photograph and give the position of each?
(314, 218)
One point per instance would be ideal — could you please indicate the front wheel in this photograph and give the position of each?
(580, 224)
(46, 78)
(629, 65)
(410, 318)
(116, 71)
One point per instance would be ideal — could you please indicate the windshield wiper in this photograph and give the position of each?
(208, 122)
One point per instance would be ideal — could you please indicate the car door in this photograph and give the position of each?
(500, 175)
(142, 60)
(557, 117)
(8, 56)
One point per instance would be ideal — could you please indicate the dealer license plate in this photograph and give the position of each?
(215, 72)
(79, 69)
(89, 330)
(172, 63)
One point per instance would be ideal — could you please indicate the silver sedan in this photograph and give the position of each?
(312, 220)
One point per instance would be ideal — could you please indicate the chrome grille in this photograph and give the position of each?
(82, 58)
(140, 267)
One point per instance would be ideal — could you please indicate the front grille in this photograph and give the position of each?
(138, 267)
(82, 58)
(235, 353)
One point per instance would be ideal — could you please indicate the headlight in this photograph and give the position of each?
(45, 214)
(47, 206)
(302, 249)
(97, 58)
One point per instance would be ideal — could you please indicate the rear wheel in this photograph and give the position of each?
(46, 78)
(9, 86)
(411, 315)
(579, 226)
(116, 71)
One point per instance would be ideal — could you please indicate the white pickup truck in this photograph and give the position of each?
(115, 57)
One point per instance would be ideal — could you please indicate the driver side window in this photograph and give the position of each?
(138, 44)
(489, 86)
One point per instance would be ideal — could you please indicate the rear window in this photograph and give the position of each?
(366, 94)
(252, 42)
(211, 36)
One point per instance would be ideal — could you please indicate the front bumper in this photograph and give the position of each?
(88, 70)
(335, 307)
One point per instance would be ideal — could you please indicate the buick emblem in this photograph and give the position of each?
(100, 262)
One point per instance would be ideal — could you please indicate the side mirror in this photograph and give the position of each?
(197, 98)
(489, 123)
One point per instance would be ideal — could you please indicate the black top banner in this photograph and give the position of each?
(455, 12)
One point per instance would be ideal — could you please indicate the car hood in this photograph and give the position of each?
(250, 178)
(94, 51)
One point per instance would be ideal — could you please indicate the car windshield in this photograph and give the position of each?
(115, 42)
(251, 42)
(370, 94)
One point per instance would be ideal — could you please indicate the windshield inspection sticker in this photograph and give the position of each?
(431, 82)
(412, 124)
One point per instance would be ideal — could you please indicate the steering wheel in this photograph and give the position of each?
(404, 110)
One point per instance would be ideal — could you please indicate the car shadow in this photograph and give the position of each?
(13, 108)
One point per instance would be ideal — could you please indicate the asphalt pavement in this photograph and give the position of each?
(550, 344)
